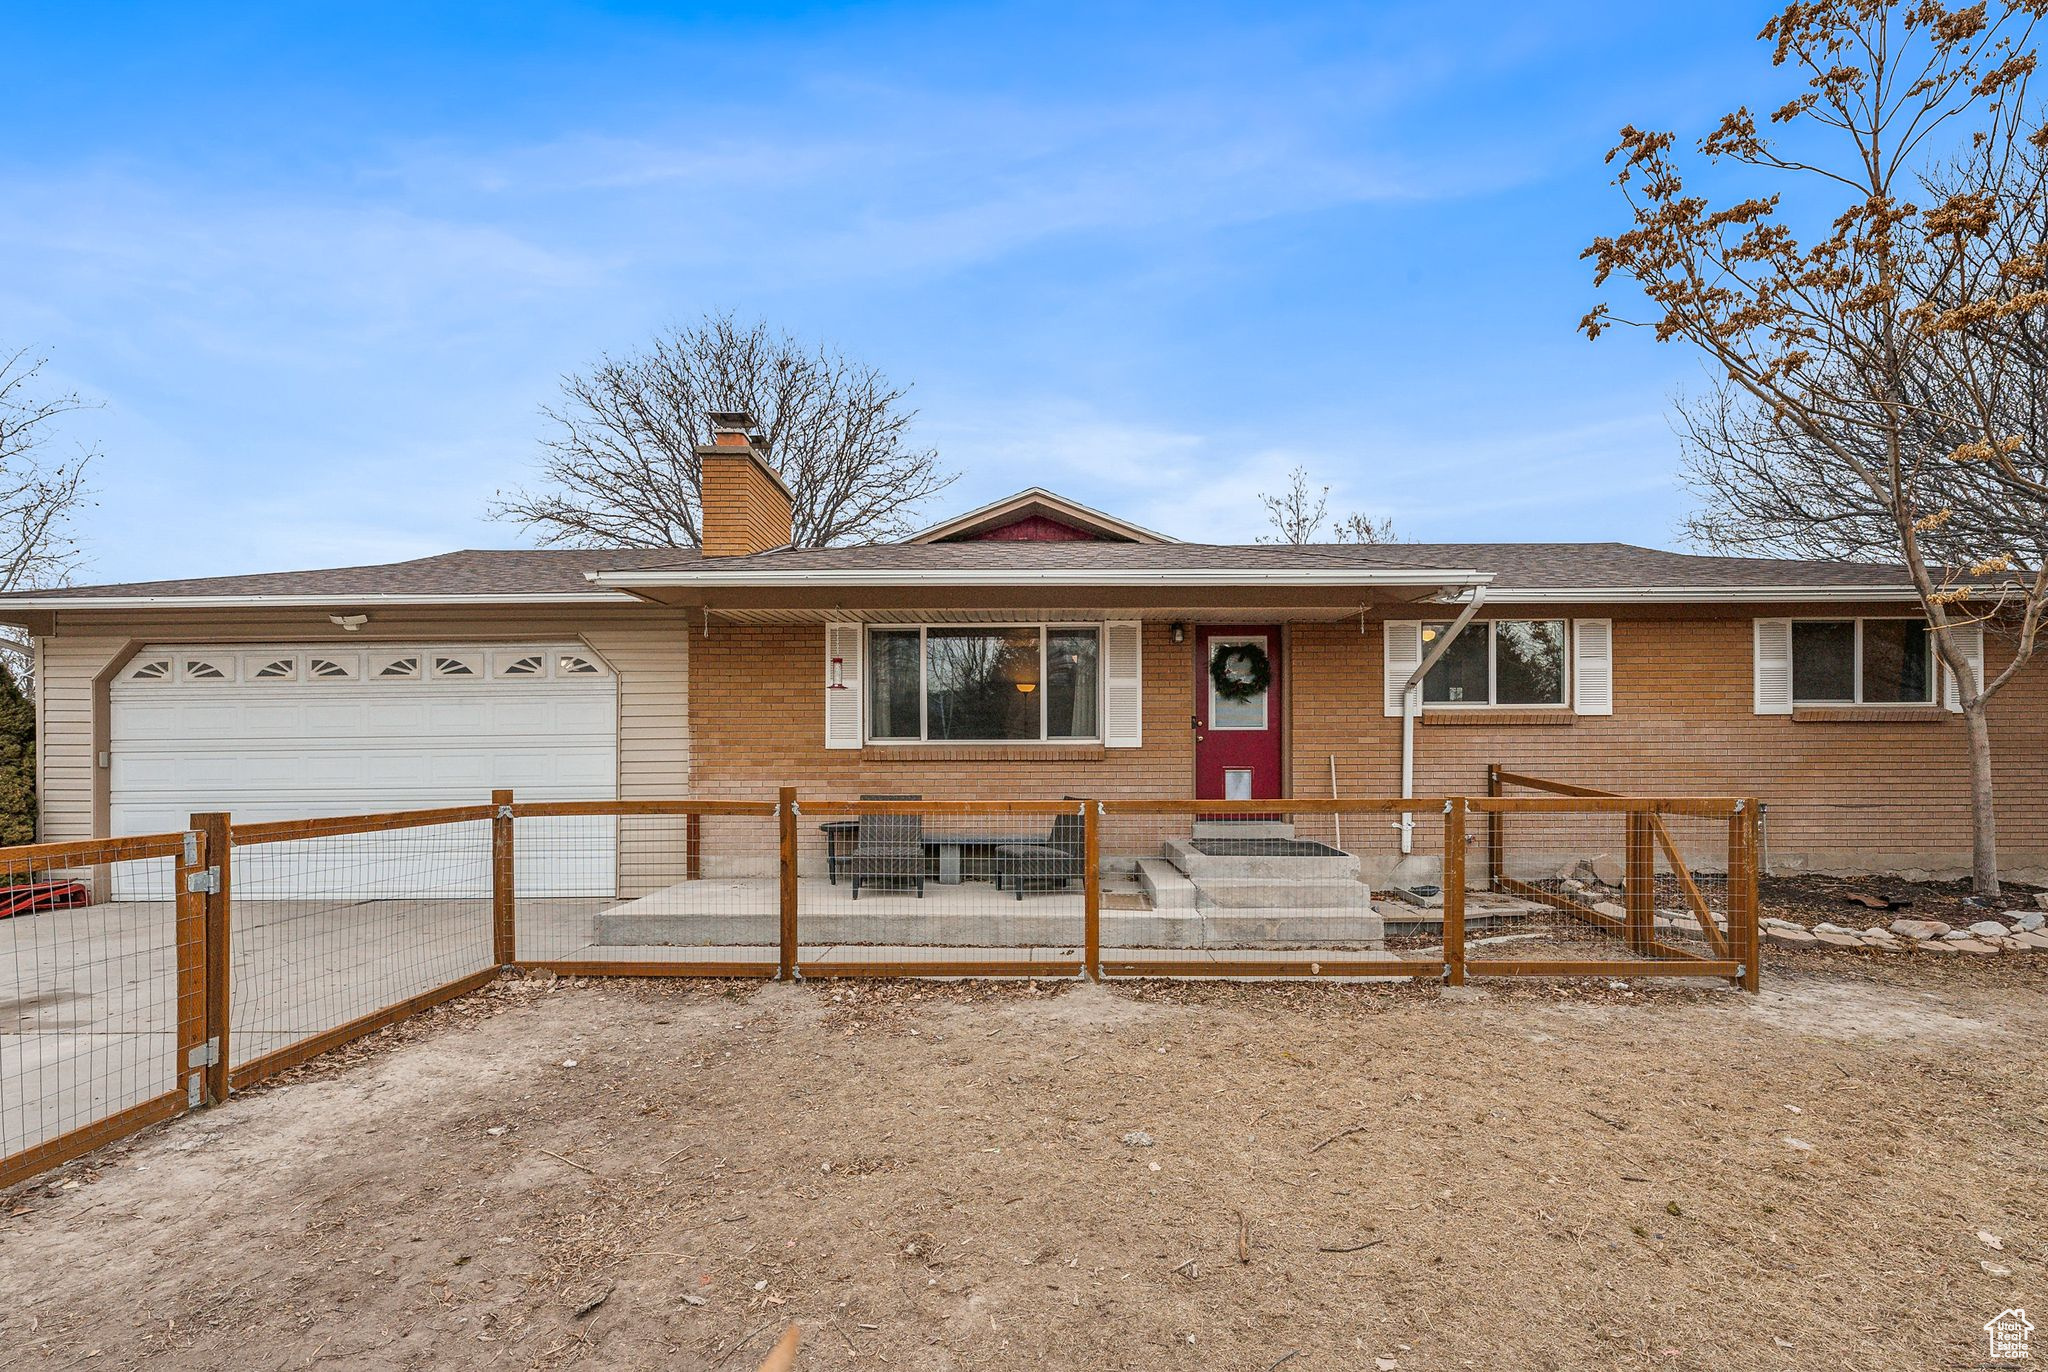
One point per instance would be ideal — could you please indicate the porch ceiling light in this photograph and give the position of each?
(1027, 687)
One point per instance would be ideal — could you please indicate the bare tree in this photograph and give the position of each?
(620, 466)
(1298, 514)
(40, 491)
(1869, 343)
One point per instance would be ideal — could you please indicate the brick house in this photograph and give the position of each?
(1031, 648)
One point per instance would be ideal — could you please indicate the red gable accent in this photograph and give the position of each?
(1029, 529)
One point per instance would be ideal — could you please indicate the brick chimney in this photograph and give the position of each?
(746, 506)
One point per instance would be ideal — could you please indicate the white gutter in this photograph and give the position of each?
(237, 602)
(1411, 703)
(1014, 576)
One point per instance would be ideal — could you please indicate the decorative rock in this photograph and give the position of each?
(2041, 899)
(2033, 940)
(1989, 928)
(2027, 920)
(1932, 945)
(1970, 945)
(1611, 910)
(1883, 942)
(1920, 928)
(1834, 929)
(1773, 922)
(1956, 936)
(2009, 942)
(1790, 938)
(1607, 870)
(1137, 1138)
(1844, 939)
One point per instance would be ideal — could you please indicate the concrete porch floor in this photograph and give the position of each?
(970, 914)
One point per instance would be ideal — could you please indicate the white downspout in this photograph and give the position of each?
(1411, 703)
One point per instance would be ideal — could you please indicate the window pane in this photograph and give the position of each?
(1071, 656)
(1528, 667)
(892, 683)
(981, 684)
(1460, 676)
(1824, 662)
(1895, 662)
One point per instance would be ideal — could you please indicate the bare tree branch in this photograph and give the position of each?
(619, 467)
(41, 493)
(1298, 513)
(1880, 379)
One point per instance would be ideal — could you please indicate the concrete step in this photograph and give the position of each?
(1277, 893)
(1166, 884)
(1243, 828)
(1252, 928)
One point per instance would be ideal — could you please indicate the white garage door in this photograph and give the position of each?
(289, 732)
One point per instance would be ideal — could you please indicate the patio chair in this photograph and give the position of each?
(888, 849)
(1046, 866)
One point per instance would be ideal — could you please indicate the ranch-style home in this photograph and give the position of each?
(1033, 648)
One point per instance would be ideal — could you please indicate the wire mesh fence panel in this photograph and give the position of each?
(646, 893)
(1590, 883)
(333, 934)
(894, 884)
(1288, 888)
(101, 979)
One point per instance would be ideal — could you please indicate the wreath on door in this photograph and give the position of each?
(1241, 672)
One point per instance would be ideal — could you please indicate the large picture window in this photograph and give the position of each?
(1862, 662)
(961, 683)
(1497, 662)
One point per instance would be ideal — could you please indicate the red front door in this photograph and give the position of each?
(1237, 735)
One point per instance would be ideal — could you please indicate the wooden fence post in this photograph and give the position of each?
(785, 814)
(1638, 884)
(1091, 886)
(1743, 935)
(218, 842)
(1454, 890)
(504, 908)
(1496, 846)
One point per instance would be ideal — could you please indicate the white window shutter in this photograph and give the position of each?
(1403, 656)
(843, 679)
(1593, 666)
(1123, 684)
(1774, 666)
(1970, 638)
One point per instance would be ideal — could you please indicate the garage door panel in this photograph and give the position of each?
(278, 750)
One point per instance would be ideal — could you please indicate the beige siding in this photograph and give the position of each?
(648, 648)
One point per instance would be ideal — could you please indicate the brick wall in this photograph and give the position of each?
(1843, 796)
(1848, 796)
(757, 722)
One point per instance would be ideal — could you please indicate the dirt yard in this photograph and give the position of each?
(1847, 1171)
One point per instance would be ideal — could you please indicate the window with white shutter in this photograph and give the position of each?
(1403, 656)
(1593, 666)
(1970, 638)
(842, 686)
(1123, 686)
(1773, 667)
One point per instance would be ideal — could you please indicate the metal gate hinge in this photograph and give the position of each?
(206, 883)
(205, 1054)
(191, 847)
(195, 1090)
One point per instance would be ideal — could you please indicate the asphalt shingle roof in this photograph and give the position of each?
(520, 573)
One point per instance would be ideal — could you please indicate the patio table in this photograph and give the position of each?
(842, 834)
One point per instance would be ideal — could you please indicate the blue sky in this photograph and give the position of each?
(322, 265)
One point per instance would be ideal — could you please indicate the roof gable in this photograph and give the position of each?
(1036, 515)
